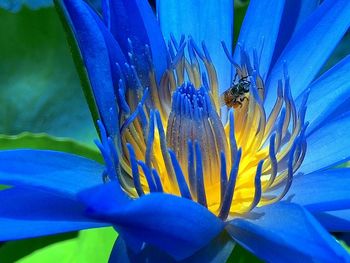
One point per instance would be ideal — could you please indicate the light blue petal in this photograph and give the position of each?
(48, 170)
(134, 20)
(95, 55)
(175, 225)
(335, 221)
(327, 146)
(322, 191)
(205, 20)
(259, 31)
(327, 93)
(294, 14)
(286, 232)
(310, 47)
(26, 213)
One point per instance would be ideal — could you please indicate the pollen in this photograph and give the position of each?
(176, 138)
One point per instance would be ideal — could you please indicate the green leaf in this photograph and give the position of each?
(93, 245)
(14, 250)
(45, 142)
(240, 10)
(39, 87)
(240, 255)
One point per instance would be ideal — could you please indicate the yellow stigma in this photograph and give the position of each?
(176, 138)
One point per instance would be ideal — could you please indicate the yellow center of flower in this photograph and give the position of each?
(176, 135)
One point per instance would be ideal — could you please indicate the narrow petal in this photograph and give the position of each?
(327, 146)
(322, 191)
(134, 20)
(327, 93)
(26, 213)
(310, 47)
(95, 55)
(259, 31)
(286, 232)
(157, 219)
(203, 21)
(60, 172)
(335, 221)
(294, 14)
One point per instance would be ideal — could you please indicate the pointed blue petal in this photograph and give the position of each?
(310, 47)
(60, 172)
(158, 219)
(217, 251)
(119, 252)
(294, 14)
(286, 233)
(260, 30)
(122, 253)
(327, 93)
(327, 146)
(26, 213)
(335, 221)
(134, 20)
(205, 20)
(95, 54)
(321, 191)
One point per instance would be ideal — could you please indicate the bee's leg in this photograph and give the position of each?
(240, 104)
(242, 99)
(235, 79)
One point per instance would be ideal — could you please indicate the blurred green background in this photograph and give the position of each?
(40, 92)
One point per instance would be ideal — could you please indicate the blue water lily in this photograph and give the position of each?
(204, 145)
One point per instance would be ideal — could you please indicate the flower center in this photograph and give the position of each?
(227, 167)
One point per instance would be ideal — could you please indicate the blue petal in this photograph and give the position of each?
(322, 191)
(310, 47)
(328, 145)
(294, 14)
(26, 213)
(176, 225)
(286, 233)
(217, 251)
(55, 171)
(327, 93)
(95, 54)
(335, 221)
(260, 30)
(134, 20)
(210, 21)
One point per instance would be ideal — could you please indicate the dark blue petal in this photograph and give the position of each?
(210, 21)
(310, 47)
(294, 14)
(335, 221)
(27, 213)
(176, 225)
(217, 251)
(95, 54)
(322, 191)
(134, 20)
(260, 30)
(327, 146)
(286, 233)
(327, 93)
(60, 172)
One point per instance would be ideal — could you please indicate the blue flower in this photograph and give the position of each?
(202, 147)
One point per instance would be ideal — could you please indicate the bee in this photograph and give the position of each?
(237, 93)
